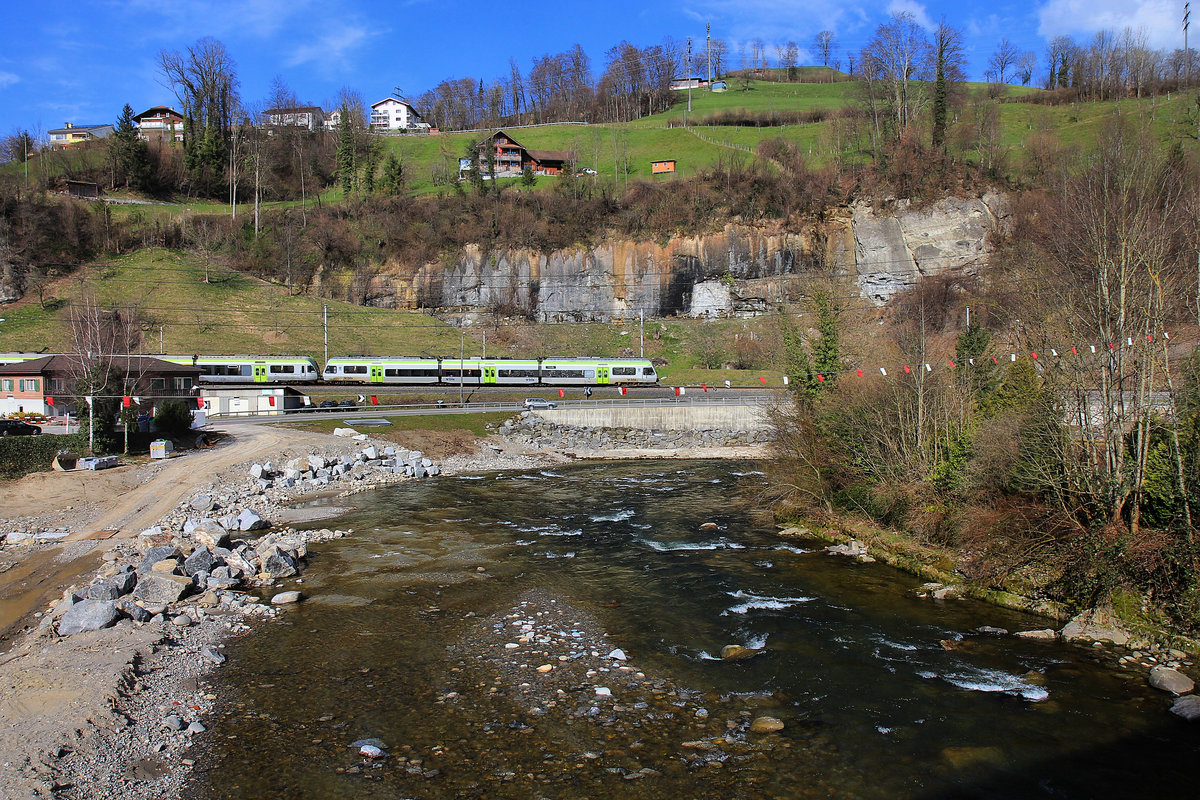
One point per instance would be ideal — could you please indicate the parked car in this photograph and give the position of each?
(347, 404)
(15, 427)
(328, 404)
(539, 402)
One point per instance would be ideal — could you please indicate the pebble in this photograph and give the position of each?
(182, 621)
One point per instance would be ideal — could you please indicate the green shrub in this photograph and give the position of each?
(20, 455)
(173, 418)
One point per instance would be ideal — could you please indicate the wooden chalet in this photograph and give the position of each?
(511, 157)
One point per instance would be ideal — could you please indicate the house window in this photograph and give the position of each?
(181, 384)
(8, 384)
(158, 384)
(29, 385)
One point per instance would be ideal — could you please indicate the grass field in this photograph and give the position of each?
(235, 314)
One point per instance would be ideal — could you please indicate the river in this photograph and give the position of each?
(426, 630)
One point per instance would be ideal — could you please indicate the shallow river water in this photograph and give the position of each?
(426, 629)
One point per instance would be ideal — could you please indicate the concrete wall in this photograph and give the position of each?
(665, 418)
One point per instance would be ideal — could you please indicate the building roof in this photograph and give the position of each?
(82, 128)
(551, 155)
(394, 100)
(157, 111)
(60, 364)
(297, 110)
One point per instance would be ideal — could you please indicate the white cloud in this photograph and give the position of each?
(914, 9)
(8, 79)
(334, 47)
(1159, 19)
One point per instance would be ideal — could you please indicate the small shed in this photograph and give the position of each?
(662, 167)
(86, 189)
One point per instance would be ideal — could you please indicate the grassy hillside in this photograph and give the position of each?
(236, 314)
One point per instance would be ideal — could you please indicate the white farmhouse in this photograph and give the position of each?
(391, 114)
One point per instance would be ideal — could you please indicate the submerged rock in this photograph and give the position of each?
(766, 725)
(1188, 708)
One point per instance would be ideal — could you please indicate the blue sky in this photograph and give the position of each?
(81, 62)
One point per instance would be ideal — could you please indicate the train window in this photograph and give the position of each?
(624, 371)
(517, 373)
(647, 370)
(564, 373)
(589, 373)
(283, 368)
(355, 369)
(331, 369)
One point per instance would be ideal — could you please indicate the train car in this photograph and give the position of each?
(490, 371)
(367, 369)
(17, 358)
(250, 369)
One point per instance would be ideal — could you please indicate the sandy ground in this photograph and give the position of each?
(58, 695)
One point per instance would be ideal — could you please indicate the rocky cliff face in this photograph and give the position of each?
(740, 270)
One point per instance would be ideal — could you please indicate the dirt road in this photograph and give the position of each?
(127, 500)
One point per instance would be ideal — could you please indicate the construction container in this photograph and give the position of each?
(161, 448)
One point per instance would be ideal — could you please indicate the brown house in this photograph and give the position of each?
(28, 386)
(159, 125)
(511, 157)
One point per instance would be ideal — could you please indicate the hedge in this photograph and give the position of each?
(20, 455)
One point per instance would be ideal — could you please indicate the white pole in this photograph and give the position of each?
(641, 334)
(325, 325)
(462, 349)
(160, 340)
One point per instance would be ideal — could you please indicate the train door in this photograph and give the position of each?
(489, 374)
(601, 375)
(260, 373)
(376, 373)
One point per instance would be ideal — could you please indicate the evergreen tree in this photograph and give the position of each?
(130, 153)
(392, 179)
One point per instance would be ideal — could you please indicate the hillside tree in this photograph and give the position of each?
(949, 64)
(204, 80)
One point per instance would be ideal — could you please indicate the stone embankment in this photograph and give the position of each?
(531, 430)
(1096, 627)
(158, 611)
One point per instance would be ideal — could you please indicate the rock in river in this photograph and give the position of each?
(1188, 708)
(1171, 680)
(283, 598)
(736, 652)
(766, 725)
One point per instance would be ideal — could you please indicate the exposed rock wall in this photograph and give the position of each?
(738, 271)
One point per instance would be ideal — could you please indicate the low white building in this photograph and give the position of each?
(391, 114)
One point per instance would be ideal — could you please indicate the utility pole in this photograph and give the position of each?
(1187, 55)
(160, 340)
(641, 334)
(689, 80)
(325, 325)
(708, 50)
(462, 351)
(968, 318)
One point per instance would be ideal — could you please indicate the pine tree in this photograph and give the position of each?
(345, 151)
(130, 153)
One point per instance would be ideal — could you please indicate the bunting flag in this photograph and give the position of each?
(764, 380)
(728, 384)
(623, 390)
(820, 378)
(676, 391)
(89, 400)
(200, 402)
(374, 400)
(561, 394)
(271, 401)
(125, 401)
(704, 386)
(49, 401)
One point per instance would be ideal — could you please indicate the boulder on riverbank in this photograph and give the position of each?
(1096, 625)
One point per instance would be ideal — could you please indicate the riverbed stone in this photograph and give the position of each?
(212, 655)
(88, 615)
(251, 520)
(130, 608)
(1044, 633)
(1095, 625)
(766, 725)
(1187, 707)
(162, 588)
(210, 533)
(157, 554)
(1171, 680)
(737, 652)
(201, 560)
(284, 598)
(204, 503)
(277, 564)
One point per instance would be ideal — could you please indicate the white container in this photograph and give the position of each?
(161, 448)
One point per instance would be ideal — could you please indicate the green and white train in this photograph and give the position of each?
(246, 369)
(491, 371)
